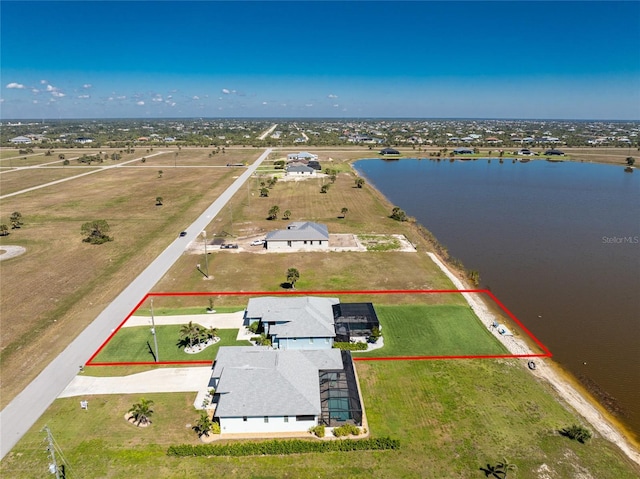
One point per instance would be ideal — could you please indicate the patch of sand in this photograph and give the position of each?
(10, 251)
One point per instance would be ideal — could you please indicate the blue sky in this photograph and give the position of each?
(476, 59)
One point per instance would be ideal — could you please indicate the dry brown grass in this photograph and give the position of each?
(49, 294)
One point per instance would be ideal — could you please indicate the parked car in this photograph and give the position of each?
(257, 242)
(183, 233)
(229, 246)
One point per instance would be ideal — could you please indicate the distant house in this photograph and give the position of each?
(300, 170)
(389, 151)
(295, 322)
(303, 155)
(21, 140)
(554, 152)
(264, 390)
(463, 151)
(83, 141)
(525, 152)
(299, 235)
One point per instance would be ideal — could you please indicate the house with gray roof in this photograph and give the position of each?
(296, 322)
(264, 390)
(300, 170)
(299, 235)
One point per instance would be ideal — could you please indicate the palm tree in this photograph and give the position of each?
(293, 275)
(190, 332)
(360, 182)
(204, 424)
(264, 192)
(158, 200)
(324, 188)
(273, 212)
(344, 212)
(16, 220)
(141, 412)
(4, 230)
(286, 215)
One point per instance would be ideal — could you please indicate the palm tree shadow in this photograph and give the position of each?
(286, 285)
(155, 359)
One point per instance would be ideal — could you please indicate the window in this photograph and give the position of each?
(305, 418)
(326, 340)
(266, 419)
(288, 243)
(305, 241)
(310, 340)
(286, 419)
(244, 418)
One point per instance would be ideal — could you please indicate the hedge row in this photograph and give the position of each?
(351, 346)
(277, 447)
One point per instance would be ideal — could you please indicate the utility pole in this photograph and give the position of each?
(206, 256)
(53, 467)
(153, 332)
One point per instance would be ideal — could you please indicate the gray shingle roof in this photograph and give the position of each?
(269, 382)
(300, 231)
(295, 317)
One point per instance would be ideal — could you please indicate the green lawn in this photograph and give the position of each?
(136, 345)
(433, 330)
(451, 417)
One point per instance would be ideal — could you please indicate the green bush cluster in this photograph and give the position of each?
(351, 346)
(277, 447)
(317, 430)
(346, 430)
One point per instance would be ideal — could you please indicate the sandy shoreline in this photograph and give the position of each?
(547, 372)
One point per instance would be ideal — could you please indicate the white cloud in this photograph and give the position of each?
(308, 105)
(331, 95)
(57, 94)
(84, 96)
(157, 98)
(196, 97)
(43, 82)
(225, 91)
(1, 100)
(87, 86)
(264, 102)
(171, 103)
(35, 102)
(51, 88)
(121, 97)
(35, 91)
(336, 105)
(19, 86)
(140, 103)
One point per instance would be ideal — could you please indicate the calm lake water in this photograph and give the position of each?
(558, 243)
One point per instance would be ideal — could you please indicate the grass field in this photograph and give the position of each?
(452, 417)
(439, 330)
(50, 293)
(136, 345)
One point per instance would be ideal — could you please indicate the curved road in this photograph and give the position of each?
(18, 417)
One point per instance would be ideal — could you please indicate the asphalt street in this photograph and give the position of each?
(19, 415)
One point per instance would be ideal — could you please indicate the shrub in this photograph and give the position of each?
(578, 433)
(346, 430)
(280, 447)
(351, 346)
(318, 430)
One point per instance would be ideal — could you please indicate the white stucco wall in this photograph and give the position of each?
(234, 425)
(297, 245)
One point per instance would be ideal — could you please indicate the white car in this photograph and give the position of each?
(257, 242)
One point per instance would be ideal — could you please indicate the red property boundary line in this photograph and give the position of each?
(547, 353)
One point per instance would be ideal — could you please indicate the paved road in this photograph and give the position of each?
(33, 401)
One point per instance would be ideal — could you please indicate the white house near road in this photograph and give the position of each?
(300, 170)
(304, 235)
(298, 322)
(262, 390)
